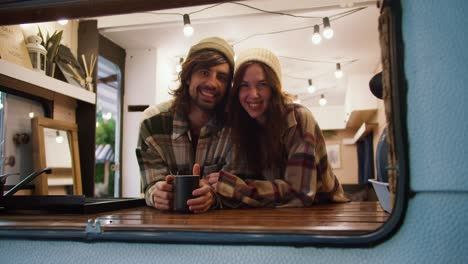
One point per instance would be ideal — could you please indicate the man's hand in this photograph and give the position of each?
(204, 196)
(162, 196)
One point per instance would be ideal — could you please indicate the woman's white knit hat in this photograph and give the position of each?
(217, 44)
(260, 55)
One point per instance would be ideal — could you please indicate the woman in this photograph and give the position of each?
(279, 156)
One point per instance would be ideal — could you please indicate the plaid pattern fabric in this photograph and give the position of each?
(308, 177)
(164, 147)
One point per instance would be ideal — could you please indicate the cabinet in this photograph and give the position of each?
(67, 102)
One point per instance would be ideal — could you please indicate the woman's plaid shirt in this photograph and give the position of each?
(306, 177)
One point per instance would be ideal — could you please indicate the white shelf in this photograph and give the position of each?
(358, 117)
(36, 78)
(360, 133)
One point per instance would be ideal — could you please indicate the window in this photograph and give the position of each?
(355, 50)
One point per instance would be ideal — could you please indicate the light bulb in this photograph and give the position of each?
(31, 114)
(59, 138)
(316, 38)
(327, 30)
(178, 67)
(188, 29)
(311, 88)
(62, 22)
(322, 100)
(338, 72)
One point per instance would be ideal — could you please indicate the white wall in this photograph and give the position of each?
(358, 94)
(140, 89)
(166, 77)
(150, 74)
(329, 117)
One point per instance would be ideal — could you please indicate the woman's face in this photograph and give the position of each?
(255, 93)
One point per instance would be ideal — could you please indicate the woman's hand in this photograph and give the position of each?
(213, 180)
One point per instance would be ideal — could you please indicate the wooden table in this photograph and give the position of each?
(330, 219)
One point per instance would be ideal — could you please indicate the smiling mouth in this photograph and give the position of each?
(255, 106)
(207, 93)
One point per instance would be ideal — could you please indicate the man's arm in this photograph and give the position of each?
(153, 169)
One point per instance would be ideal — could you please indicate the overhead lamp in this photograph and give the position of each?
(58, 137)
(327, 30)
(296, 99)
(188, 29)
(338, 71)
(62, 22)
(311, 88)
(178, 67)
(316, 38)
(322, 101)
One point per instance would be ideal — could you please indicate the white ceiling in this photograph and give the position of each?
(354, 44)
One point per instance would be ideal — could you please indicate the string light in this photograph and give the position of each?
(179, 66)
(327, 30)
(188, 29)
(338, 72)
(316, 38)
(311, 88)
(327, 33)
(58, 138)
(322, 101)
(296, 99)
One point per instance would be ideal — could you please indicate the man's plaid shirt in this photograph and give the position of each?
(164, 147)
(305, 178)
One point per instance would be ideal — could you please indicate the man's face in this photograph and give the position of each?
(207, 86)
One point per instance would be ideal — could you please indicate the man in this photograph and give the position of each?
(178, 136)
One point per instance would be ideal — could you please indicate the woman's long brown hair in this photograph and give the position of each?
(262, 146)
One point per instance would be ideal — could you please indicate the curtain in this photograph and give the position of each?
(365, 153)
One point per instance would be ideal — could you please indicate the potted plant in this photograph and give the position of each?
(51, 44)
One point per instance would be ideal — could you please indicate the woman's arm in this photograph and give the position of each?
(308, 176)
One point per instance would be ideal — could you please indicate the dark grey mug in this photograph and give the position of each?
(184, 185)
